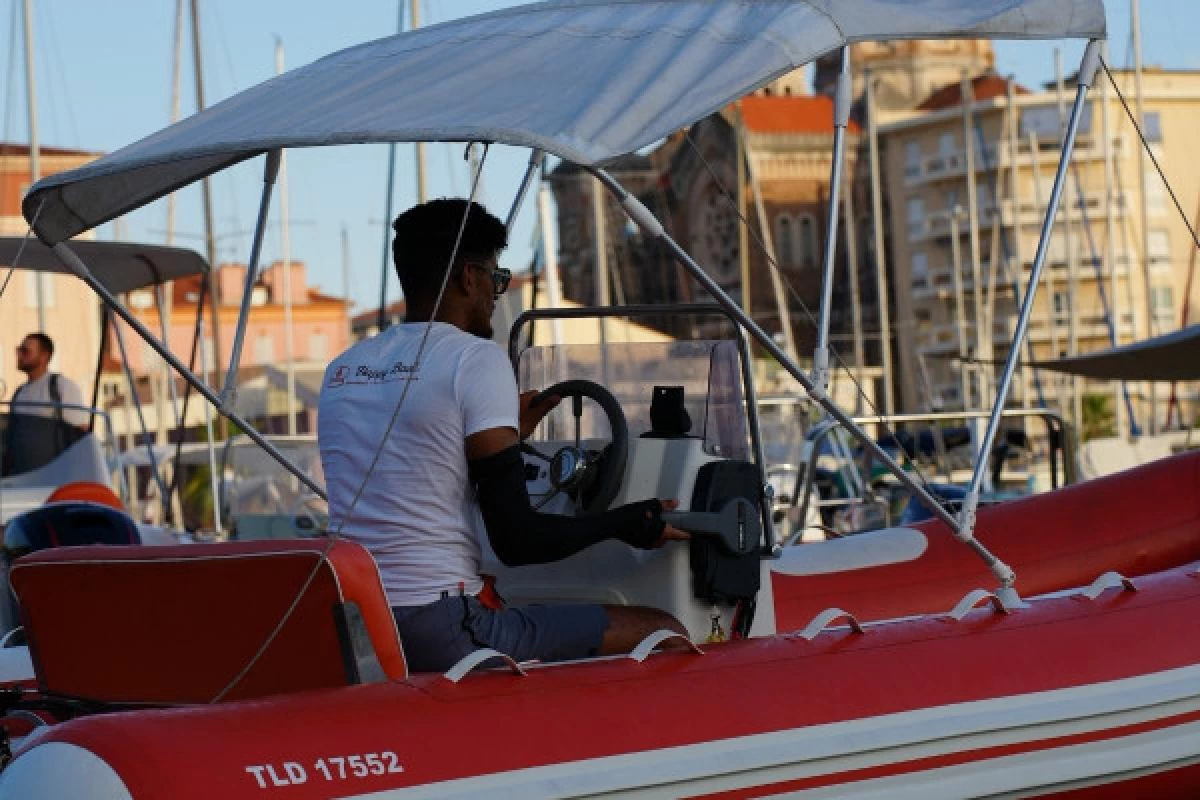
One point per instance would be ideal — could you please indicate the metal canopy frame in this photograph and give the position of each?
(962, 527)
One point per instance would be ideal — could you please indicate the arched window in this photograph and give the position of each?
(808, 241)
(785, 240)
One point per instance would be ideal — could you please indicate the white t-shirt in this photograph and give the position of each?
(33, 398)
(416, 514)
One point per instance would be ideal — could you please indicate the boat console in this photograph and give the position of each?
(642, 420)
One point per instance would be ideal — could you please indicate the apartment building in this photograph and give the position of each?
(967, 190)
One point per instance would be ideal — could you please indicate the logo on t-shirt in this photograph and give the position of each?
(339, 377)
(364, 374)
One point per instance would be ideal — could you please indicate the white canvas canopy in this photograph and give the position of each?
(120, 266)
(1173, 356)
(586, 80)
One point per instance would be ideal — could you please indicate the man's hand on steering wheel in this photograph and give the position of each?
(531, 413)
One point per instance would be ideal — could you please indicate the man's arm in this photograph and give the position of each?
(520, 536)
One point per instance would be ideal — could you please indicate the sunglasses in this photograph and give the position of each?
(500, 276)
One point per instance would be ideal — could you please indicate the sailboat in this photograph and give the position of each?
(274, 669)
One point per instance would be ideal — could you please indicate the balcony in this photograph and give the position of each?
(995, 155)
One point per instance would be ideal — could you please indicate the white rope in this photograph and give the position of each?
(374, 460)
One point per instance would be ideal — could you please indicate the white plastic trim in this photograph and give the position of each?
(473, 660)
(971, 601)
(1109, 580)
(647, 645)
(822, 621)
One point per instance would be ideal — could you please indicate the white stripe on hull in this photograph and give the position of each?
(773, 758)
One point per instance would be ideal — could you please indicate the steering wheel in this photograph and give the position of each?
(591, 478)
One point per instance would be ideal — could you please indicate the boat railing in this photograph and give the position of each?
(1056, 425)
(108, 439)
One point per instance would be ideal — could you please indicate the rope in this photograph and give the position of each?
(20, 250)
(291, 609)
(1146, 145)
(804, 307)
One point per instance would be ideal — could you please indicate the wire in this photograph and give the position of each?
(24, 241)
(1149, 151)
(803, 306)
(409, 378)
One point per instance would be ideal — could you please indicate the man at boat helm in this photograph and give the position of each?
(455, 442)
(47, 411)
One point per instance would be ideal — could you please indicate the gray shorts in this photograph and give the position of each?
(437, 636)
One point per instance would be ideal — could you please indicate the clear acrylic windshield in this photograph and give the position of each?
(265, 501)
(708, 370)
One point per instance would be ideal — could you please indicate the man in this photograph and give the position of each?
(39, 427)
(405, 485)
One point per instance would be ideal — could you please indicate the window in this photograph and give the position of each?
(318, 347)
(1159, 249)
(1062, 307)
(32, 281)
(946, 145)
(264, 349)
(1152, 126)
(951, 196)
(808, 241)
(920, 271)
(916, 217)
(912, 159)
(259, 296)
(785, 240)
(1162, 302)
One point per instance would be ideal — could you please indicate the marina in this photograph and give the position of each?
(776, 497)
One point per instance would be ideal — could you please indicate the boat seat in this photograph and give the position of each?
(179, 624)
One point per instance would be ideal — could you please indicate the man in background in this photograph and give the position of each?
(45, 412)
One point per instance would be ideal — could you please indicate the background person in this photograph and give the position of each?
(39, 426)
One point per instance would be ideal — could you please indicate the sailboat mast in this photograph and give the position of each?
(381, 322)
(285, 246)
(210, 241)
(885, 327)
(1144, 214)
(35, 165)
(422, 190)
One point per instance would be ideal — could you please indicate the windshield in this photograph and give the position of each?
(264, 500)
(709, 371)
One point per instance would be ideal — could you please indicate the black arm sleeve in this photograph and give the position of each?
(521, 536)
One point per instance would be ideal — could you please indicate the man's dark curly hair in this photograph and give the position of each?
(424, 242)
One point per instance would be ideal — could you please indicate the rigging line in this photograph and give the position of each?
(803, 306)
(1146, 145)
(333, 535)
(24, 241)
(60, 73)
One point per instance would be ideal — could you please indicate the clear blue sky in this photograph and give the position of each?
(104, 74)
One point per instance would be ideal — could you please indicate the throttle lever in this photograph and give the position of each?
(737, 524)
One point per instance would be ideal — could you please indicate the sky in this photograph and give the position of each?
(103, 73)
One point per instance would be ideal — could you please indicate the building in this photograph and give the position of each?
(1099, 286)
(71, 308)
(320, 330)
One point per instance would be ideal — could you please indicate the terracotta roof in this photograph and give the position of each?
(984, 87)
(366, 318)
(789, 114)
(16, 149)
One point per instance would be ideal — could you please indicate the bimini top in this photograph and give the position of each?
(1173, 356)
(586, 80)
(120, 266)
